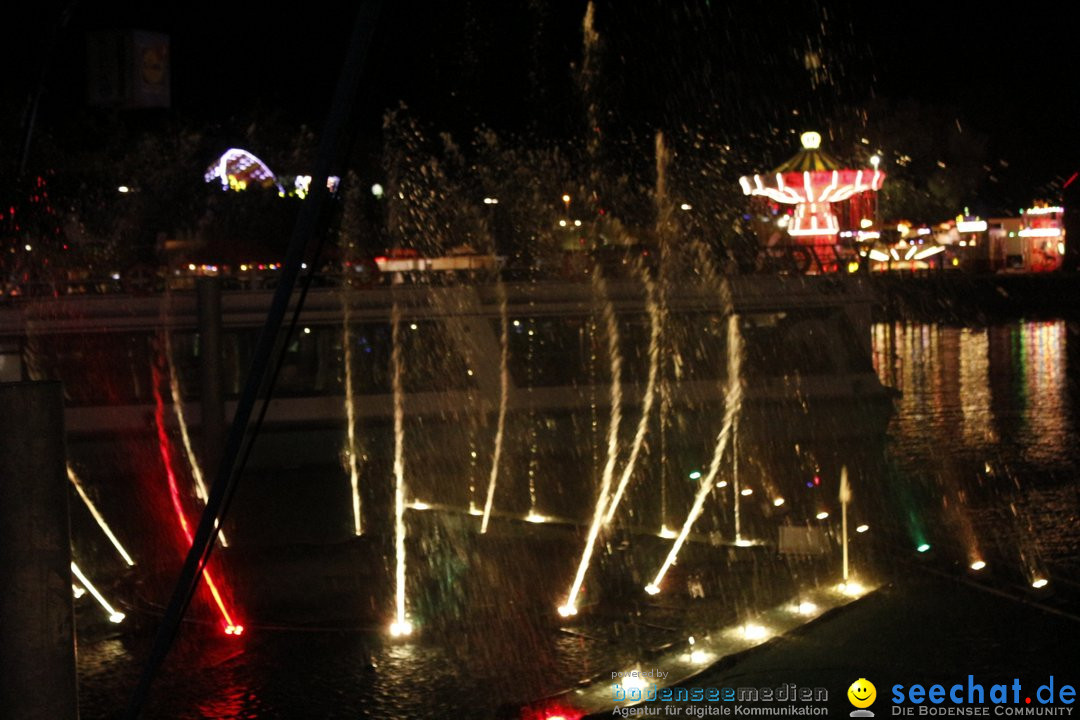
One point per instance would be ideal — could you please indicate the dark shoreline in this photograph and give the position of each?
(956, 297)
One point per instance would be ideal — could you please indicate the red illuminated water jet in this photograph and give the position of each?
(230, 626)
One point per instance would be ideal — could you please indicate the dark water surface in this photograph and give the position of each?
(983, 457)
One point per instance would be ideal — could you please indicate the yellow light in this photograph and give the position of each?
(822, 515)
(562, 223)
(567, 610)
(903, 228)
(666, 532)
(243, 268)
(745, 492)
(1040, 583)
(535, 517)
(853, 267)
(722, 484)
(566, 198)
(806, 608)
(810, 140)
(652, 589)
(753, 631)
(978, 565)
(955, 261)
(420, 505)
(700, 657)
(862, 528)
(866, 223)
(778, 502)
(401, 628)
(851, 589)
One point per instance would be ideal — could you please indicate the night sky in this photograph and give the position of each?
(732, 69)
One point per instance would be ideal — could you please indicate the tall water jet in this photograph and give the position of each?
(664, 238)
(185, 436)
(347, 239)
(231, 627)
(650, 393)
(401, 624)
(845, 498)
(504, 392)
(98, 517)
(611, 325)
(351, 454)
(733, 402)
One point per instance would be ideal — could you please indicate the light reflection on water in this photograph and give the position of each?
(987, 421)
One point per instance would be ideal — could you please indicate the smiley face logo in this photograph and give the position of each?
(862, 693)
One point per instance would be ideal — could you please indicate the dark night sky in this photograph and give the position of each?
(1009, 74)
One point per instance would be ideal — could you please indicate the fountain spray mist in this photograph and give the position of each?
(570, 607)
(401, 624)
(504, 392)
(731, 410)
(650, 394)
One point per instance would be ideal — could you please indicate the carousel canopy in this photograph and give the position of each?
(812, 176)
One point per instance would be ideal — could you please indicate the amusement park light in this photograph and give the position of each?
(1043, 210)
(1040, 232)
(866, 223)
(875, 161)
(929, 252)
(970, 226)
(810, 140)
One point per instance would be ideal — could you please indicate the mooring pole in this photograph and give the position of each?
(211, 385)
(37, 633)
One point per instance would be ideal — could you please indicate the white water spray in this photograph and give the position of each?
(504, 392)
(650, 394)
(350, 418)
(401, 624)
(570, 607)
(731, 410)
(98, 516)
